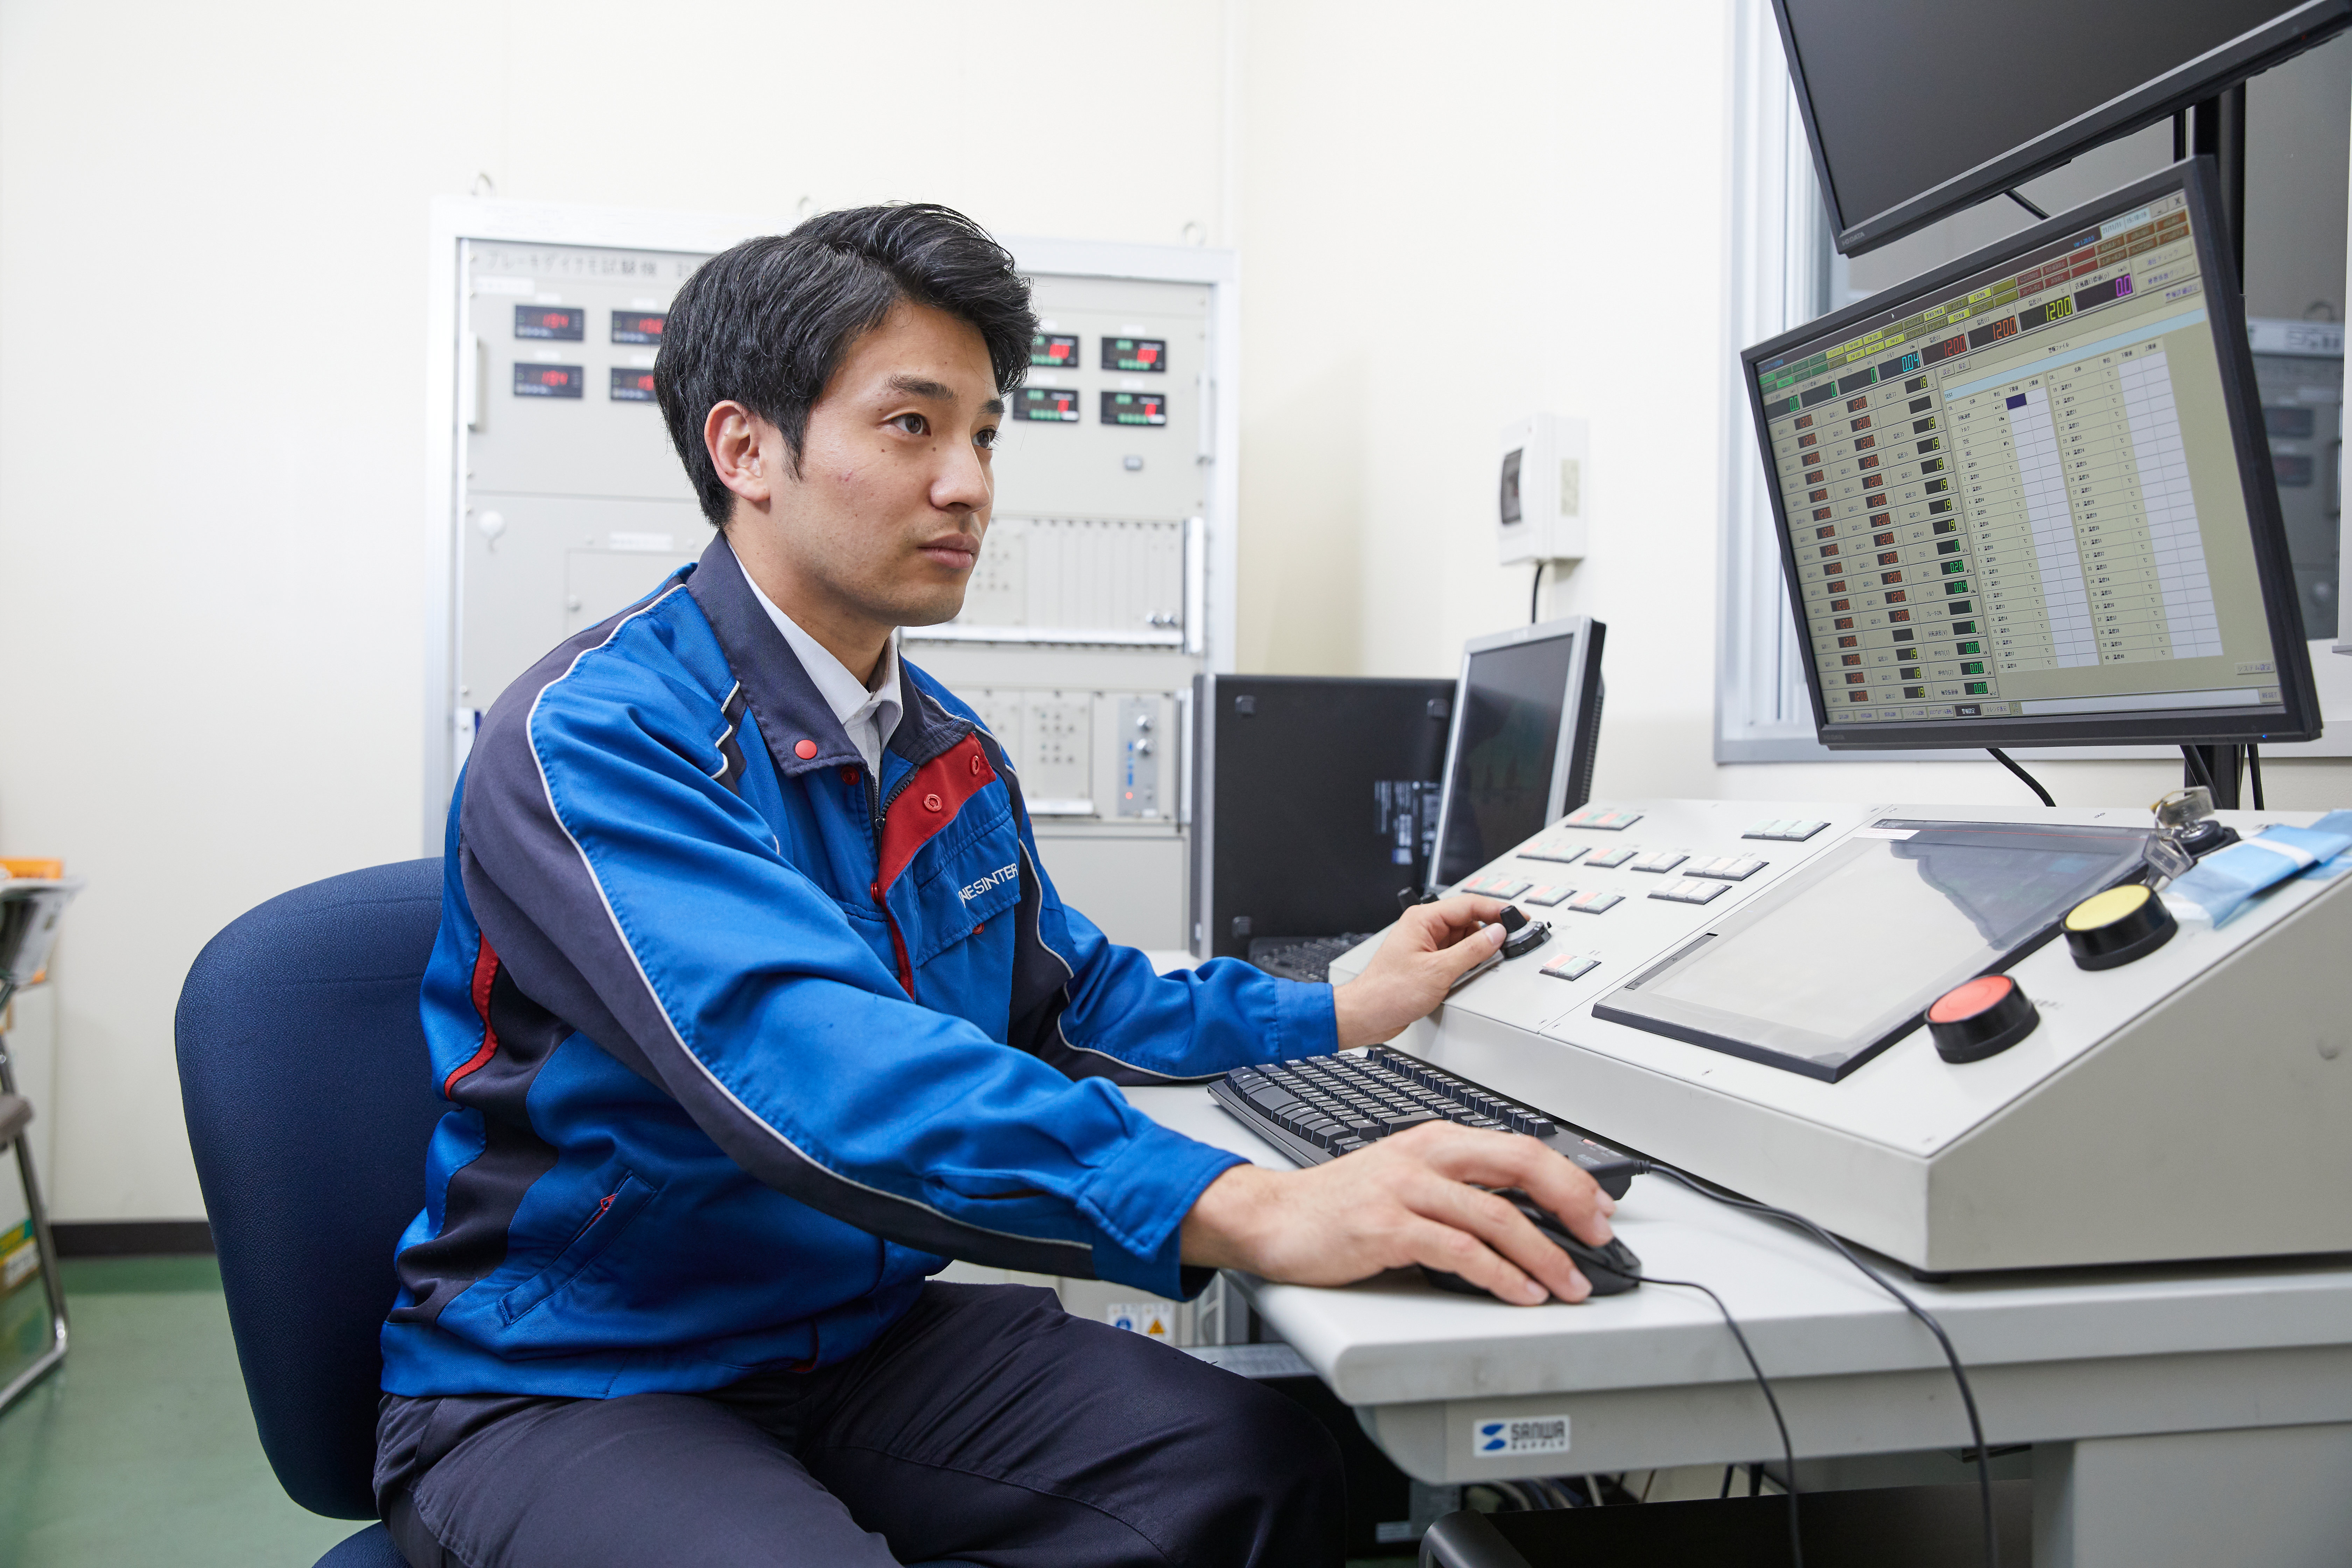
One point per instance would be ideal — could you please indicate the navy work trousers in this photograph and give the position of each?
(986, 1427)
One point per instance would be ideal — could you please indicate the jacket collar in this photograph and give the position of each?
(794, 718)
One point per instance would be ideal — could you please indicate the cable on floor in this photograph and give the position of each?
(2030, 782)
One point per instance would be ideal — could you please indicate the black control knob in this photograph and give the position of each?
(1521, 935)
(2112, 928)
(1981, 1018)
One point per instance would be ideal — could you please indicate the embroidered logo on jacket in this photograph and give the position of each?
(1001, 875)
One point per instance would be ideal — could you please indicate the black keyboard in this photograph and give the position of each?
(1323, 1107)
(1301, 957)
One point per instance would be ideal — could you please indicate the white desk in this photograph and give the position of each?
(2196, 1415)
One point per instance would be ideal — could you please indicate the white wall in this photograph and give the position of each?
(212, 307)
(212, 320)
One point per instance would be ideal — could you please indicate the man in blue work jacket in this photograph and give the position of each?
(754, 1005)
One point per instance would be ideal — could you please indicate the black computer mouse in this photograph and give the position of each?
(1611, 1270)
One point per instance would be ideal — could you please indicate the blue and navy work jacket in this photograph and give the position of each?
(741, 1042)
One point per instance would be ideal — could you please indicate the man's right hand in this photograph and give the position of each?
(1407, 1199)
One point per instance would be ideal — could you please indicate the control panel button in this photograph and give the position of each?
(1499, 885)
(1729, 867)
(1659, 861)
(1607, 858)
(1786, 830)
(1572, 967)
(1609, 819)
(1544, 896)
(1557, 850)
(1688, 891)
(1594, 902)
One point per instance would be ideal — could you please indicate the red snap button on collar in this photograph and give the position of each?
(849, 775)
(805, 750)
(930, 803)
(978, 763)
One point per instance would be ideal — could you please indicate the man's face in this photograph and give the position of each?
(884, 520)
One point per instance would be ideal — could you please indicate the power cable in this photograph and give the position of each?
(1535, 595)
(2003, 759)
(1951, 1356)
(2029, 206)
(2255, 773)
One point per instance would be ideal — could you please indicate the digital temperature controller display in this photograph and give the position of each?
(1134, 408)
(637, 326)
(1054, 350)
(1135, 353)
(562, 324)
(1055, 404)
(550, 380)
(632, 385)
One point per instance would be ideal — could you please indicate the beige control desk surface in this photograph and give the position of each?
(2238, 1366)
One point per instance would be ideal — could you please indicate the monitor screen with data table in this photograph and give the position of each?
(2024, 500)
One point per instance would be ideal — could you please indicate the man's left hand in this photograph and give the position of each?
(1429, 948)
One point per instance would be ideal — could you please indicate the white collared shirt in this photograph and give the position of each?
(868, 714)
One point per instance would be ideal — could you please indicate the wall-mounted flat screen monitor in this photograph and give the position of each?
(1917, 110)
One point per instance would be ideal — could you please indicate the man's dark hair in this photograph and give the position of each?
(767, 323)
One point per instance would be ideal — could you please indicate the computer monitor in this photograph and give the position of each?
(1915, 110)
(2023, 499)
(1526, 725)
(1314, 800)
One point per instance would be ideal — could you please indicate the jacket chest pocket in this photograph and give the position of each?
(974, 883)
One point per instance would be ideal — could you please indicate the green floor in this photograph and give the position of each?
(141, 1449)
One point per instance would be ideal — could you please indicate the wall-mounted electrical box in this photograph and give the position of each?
(1543, 490)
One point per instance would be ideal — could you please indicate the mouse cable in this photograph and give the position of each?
(1788, 1451)
(1951, 1356)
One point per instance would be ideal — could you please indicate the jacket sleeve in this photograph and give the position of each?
(633, 893)
(1196, 1024)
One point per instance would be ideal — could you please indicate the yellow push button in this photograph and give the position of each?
(2110, 929)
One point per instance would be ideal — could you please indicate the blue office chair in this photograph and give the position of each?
(310, 1100)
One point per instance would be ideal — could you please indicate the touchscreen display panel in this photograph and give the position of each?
(1841, 961)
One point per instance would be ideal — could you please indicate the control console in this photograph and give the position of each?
(1781, 998)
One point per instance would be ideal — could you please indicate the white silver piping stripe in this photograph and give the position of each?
(718, 745)
(671, 1024)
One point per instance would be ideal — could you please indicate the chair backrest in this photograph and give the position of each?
(310, 1100)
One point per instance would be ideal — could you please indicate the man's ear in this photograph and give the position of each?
(739, 442)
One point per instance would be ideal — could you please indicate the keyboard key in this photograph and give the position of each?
(1608, 859)
(1398, 1121)
(1660, 860)
(1572, 967)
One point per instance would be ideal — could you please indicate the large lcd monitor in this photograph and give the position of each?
(2024, 499)
(1917, 110)
(1314, 800)
(1526, 727)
